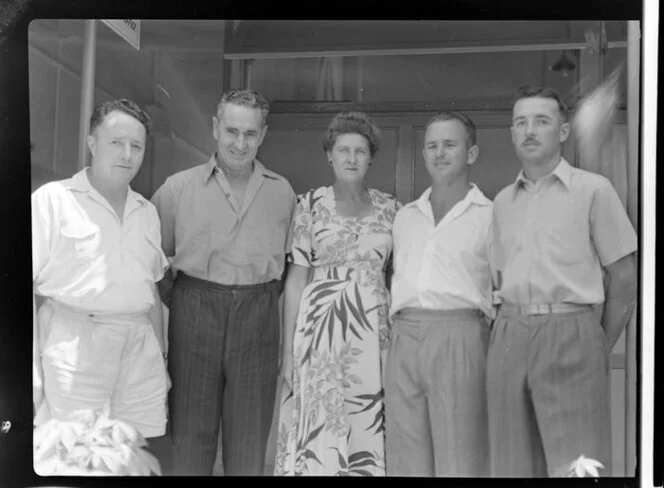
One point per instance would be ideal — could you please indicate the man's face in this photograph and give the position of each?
(239, 133)
(538, 131)
(117, 146)
(446, 152)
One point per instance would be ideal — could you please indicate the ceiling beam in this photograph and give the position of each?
(558, 46)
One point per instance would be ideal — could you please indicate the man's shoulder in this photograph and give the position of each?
(407, 212)
(504, 195)
(589, 180)
(182, 178)
(277, 179)
(53, 189)
(188, 174)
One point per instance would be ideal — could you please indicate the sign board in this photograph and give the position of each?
(128, 29)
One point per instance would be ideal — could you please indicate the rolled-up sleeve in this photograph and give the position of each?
(164, 202)
(610, 228)
(42, 221)
(161, 261)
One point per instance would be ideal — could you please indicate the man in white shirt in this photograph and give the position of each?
(436, 414)
(96, 258)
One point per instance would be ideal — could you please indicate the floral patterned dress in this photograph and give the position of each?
(332, 421)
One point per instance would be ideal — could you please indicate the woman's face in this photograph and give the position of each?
(350, 157)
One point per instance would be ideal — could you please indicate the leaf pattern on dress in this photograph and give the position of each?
(332, 422)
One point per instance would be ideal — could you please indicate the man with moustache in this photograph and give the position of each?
(226, 229)
(436, 417)
(556, 231)
(96, 259)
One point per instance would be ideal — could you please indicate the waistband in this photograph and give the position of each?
(192, 282)
(131, 317)
(363, 275)
(543, 308)
(423, 314)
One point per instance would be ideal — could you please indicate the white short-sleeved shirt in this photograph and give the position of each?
(85, 257)
(444, 266)
(552, 238)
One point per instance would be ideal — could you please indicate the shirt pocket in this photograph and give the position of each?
(568, 238)
(467, 241)
(83, 238)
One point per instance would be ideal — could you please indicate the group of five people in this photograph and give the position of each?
(452, 336)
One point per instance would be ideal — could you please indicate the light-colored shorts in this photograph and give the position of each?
(101, 361)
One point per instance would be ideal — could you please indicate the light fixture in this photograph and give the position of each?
(564, 65)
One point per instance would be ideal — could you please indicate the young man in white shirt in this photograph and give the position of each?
(436, 414)
(96, 258)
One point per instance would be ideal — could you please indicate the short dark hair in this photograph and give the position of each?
(245, 98)
(352, 123)
(122, 105)
(469, 125)
(527, 91)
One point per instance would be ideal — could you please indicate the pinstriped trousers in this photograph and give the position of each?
(435, 394)
(223, 353)
(548, 393)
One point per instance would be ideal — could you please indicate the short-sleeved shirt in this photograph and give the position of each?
(206, 235)
(443, 266)
(552, 238)
(84, 256)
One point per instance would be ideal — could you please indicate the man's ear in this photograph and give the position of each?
(473, 152)
(565, 129)
(263, 132)
(92, 144)
(215, 122)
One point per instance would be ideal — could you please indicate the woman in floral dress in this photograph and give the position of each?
(335, 316)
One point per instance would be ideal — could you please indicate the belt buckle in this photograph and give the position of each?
(542, 309)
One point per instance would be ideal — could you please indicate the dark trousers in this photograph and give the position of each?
(223, 353)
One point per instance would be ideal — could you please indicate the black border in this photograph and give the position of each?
(15, 305)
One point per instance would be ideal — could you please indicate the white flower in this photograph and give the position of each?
(583, 467)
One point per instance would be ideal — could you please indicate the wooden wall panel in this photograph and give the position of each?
(43, 82)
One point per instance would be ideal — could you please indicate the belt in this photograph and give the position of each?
(117, 316)
(543, 308)
(193, 282)
(420, 314)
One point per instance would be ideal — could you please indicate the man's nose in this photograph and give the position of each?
(241, 142)
(126, 152)
(530, 127)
